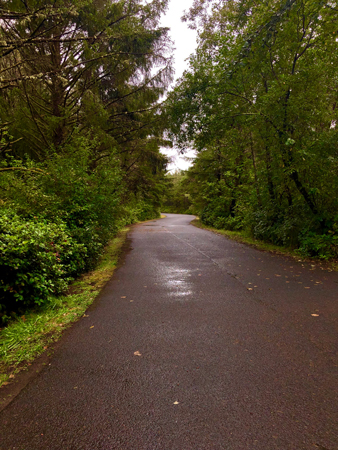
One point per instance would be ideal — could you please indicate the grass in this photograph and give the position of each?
(240, 236)
(261, 245)
(25, 339)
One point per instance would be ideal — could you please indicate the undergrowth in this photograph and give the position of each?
(30, 335)
(242, 237)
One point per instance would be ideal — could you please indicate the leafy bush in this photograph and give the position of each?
(214, 213)
(278, 226)
(56, 218)
(228, 223)
(217, 214)
(135, 210)
(36, 259)
(324, 246)
(147, 211)
(66, 189)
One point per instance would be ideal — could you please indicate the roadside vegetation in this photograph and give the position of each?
(80, 133)
(259, 106)
(176, 198)
(246, 238)
(30, 335)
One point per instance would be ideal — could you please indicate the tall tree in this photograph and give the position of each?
(61, 59)
(262, 90)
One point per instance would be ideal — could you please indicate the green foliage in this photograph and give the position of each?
(176, 198)
(217, 218)
(324, 246)
(56, 220)
(27, 337)
(137, 210)
(259, 106)
(280, 227)
(36, 259)
(80, 134)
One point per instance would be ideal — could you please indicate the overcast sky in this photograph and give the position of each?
(185, 44)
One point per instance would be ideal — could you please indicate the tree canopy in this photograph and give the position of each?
(259, 104)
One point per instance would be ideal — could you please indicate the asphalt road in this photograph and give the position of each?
(196, 343)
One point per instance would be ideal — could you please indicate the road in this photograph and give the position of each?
(196, 343)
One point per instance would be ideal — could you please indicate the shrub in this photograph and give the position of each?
(278, 226)
(36, 259)
(135, 210)
(324, 246)
(217, 214)
(56, 217)
(228, 223)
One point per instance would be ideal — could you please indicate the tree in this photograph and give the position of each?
(62, 58)
(262, 91)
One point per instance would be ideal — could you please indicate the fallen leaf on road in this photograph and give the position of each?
(249, 289)
(92, 326)
(315, 315)
(176, 403)
(131, 301)
(124, 296)
(137, 353)
(85, 315)
(306, 287)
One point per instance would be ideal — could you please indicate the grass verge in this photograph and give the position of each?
(25, 339)
(261, 245)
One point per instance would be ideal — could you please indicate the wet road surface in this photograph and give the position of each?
(196, 343)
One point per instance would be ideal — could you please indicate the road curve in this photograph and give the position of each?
(197, 343)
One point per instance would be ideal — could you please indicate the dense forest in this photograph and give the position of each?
(259, 106)
(83, 116)
(80, 132)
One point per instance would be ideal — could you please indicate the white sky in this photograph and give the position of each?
(185, 44)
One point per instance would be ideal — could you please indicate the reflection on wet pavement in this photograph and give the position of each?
(176, 281)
